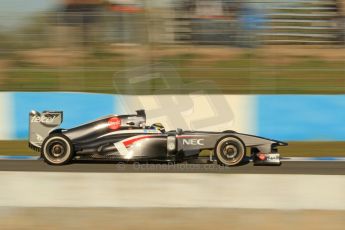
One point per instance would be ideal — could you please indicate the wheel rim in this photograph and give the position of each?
(57, 150)
(230, 151)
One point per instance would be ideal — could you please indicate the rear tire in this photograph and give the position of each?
(230, 151)
(57, 149)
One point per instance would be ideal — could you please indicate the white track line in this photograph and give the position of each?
(19, 157)
(43, 189)
(306, 159)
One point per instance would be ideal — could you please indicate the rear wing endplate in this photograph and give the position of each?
(41, 124)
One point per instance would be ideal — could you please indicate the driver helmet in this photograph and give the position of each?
(158, 126)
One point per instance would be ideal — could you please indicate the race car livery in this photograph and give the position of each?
(127, 138)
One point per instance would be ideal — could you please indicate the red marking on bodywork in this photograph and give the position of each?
(262, 156)
(114, 123)
(131, 141)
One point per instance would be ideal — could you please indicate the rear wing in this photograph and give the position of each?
(41, 124)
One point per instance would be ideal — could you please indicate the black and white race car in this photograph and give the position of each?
(127, 138)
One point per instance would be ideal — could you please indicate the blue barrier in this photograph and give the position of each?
(302, 117)
(282, 117)
(78, 108)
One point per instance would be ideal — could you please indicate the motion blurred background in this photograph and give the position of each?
(284, 57)
(246, 47)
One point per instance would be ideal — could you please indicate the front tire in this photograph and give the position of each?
(57, 149)
(230, 151)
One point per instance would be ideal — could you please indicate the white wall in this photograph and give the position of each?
(196, 112)
(6, 119)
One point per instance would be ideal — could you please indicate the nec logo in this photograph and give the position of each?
(193, 141)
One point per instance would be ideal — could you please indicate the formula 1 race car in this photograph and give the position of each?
(127, 138)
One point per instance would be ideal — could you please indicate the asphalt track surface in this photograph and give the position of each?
(289, 167)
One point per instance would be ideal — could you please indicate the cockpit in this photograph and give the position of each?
(138, 121)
